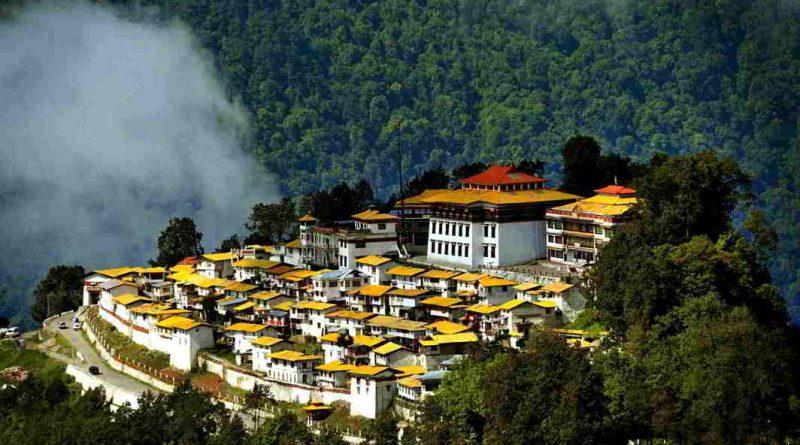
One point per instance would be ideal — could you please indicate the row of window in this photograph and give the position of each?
(452, 249)
(490, 251)
(578, 255)
(448, 228)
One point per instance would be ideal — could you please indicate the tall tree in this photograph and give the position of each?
(581, 160)
(383, 430)
(270, 223)
(60, 290)
(180, 239)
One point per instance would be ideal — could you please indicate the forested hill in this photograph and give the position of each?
(335, 87)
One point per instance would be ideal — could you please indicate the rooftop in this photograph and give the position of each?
(502, 175)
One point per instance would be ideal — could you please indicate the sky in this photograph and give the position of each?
(107, 129)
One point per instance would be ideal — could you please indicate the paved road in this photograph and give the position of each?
(90, 357)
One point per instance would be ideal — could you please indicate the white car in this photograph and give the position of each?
(76, 325)
(12, 332)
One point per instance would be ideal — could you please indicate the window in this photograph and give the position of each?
(360, 244)
(466, 230)
(550, 224)
(447, 228)
(492, 250)
(598, 230)
(381, 226)
(460, 231)
(494, 231)
(439, 247)
(559, 225)
(485, 250)
(459, 250)
(486, 231)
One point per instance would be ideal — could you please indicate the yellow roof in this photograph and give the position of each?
(115, 272)
(466, 293)
(472, 196)
(293, 356)
(387, 348)
(405, 271)
(244, 306)
(128, 299)
(313, 305)
(246, 327)
(307, 218)
(469, 277)
(222, 256)
(317, 406)
(410, 382)
(398, 323)
(240, 287)
(557, 288)
(371, 290)
(418, 200)
(495, 281)
(545, 304)
(447, 327)
(335, 366)
(603, 205)
(150, 269)
(367, 340)
(441, 274)
(524, 287)
(464, 337)
(301, 274)
(294, 244)
(265, 295)
(266, 341)
(511, 304)
(441, 301)
(332, 337)
(373, 260)
(578, 332)
(368, 370)
(283, 306)
(410, 370)
(182, 268)
(354, 315)
(158, 309)
(374, 216)
(411, 293)
(178, 322)
(255, 263)
(483, 308)
(580, 343)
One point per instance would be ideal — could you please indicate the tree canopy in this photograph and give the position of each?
(180, 239)
(61, 290)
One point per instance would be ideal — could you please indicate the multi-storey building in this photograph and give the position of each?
(497, 218)
(338, 245)
(415, 217)
(577, 231)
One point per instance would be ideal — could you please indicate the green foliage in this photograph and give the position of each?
(340, 202)
(383, 430)
(586, 170)
(228, 244)
(179, 240)
(270, 223)
(61, 290)
(285, 428)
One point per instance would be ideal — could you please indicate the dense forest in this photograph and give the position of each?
(336, 88)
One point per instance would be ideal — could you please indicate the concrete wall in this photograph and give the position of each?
(114, 394)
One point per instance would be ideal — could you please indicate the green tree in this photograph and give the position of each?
(383, 430)
(327, 435)
(270, 223)
(180, 239)
(229, 244)
(256, 400)
(60, 290)
(285, 428)
(581, 159)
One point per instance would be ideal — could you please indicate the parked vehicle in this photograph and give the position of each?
(62, 325)
(94, 370)
(76, 325)
(12, 332)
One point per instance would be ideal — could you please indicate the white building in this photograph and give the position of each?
(577, 231)
(244, 333)
(371, 390)
(495, 219)
(439, 281)
(406, 302)
(263, 347)
(216, 265)
(354, 322)
(375, 234)
(405, 277)
(370, 298)
(375, 267)
(292, 367)
(333, 286)
(393, 355)
(308, 317)
(185, 337)
(251, 268)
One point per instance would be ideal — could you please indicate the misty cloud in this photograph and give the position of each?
(107, 129)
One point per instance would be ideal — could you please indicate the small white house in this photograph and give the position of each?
(375, 267)
(333, 286)
(406, 277)
(371, 390)
(187, 338)
(244, 333)
(263, 347)
(393, 355)
(293, 367)
(216, 265)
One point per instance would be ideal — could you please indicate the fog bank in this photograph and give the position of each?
(107, 129)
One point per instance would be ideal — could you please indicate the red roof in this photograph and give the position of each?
(501, 175)
(189, 260)
(615, 190)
